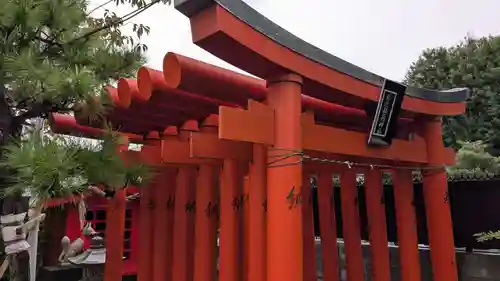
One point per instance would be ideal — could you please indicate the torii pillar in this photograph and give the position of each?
(284, 217)
(437, 208)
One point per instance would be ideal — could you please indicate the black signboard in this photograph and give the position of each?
(384, 125)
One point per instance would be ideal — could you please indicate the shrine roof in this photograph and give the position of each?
(264, 49)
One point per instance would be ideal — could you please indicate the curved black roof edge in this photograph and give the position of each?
(265, 26)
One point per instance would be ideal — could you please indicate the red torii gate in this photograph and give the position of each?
(307, 117)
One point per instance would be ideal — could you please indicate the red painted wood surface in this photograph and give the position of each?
(437, 206)
(377, 226)
(257, 205)
(284, 184)
(183, 248)
(163, 236)
(145, 263)
(115, 220)
(230, 239)
(350, 224)
(407, 226)
(328, 225)
(309, 244)
(217, 31)
(205, 259)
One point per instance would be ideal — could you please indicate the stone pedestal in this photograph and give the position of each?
(92, 260)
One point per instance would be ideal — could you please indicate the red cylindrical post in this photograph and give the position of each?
(184, 225)
(163, 222)
(115, 228)
(284, 214)
(328, 225)
(406, 222)
(350, 224)
(375, 209)
(145, 263)
(205, 260)
(309, 244)
(230, 238)
(437, 208)
(257, 215)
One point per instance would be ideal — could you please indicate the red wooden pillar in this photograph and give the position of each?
(309, 243)
(351, 226)
(205, 260)
(284, 216)
(328, 225)
(246, 225)
(406, 222)
(437, 208)
(230, 240)
(377, 226)
(183, 250)
(144, 259)
(257, 215)
(115, 228)
(163, 224)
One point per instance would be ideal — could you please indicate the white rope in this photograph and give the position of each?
(350, 164)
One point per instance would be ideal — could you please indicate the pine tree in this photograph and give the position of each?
(54, 56)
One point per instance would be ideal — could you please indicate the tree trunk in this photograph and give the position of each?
(18, 262)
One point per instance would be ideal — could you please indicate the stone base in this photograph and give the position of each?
(475, 266)
(68, 273)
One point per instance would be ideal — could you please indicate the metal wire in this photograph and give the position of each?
(350, 164)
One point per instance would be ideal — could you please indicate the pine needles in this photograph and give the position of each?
(53, 167)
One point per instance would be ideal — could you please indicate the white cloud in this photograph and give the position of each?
(383, 36)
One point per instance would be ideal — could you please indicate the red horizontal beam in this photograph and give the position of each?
(191, 89)
(226, 36)
(65, 124)
(212, 81)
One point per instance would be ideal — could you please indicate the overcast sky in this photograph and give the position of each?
(383, 36)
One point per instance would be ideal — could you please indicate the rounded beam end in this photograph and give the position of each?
(172, 70)
(124, 93)
(145, 83)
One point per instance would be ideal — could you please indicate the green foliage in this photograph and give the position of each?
(57, 167)
(487, 236)
(473, 157)
(54, 56)
(474, 63)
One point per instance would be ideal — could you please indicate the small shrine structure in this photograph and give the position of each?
(234, 154)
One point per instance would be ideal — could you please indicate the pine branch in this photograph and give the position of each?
(88, 34)
(48, 41)
(114, 23)
(100, 6)
(58, 167)
(38, 110)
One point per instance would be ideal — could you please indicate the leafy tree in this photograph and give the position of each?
(473, 157)
(54, 56)
(473, 63)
